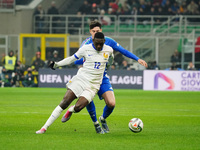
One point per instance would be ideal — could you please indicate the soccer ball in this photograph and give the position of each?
(135, 125)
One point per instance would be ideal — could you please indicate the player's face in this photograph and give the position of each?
(98, 44)
(95, 30)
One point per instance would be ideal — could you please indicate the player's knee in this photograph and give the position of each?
(78, 108)
(111, 104)
(65, 103)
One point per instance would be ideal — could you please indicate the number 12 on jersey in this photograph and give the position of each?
(97, 64)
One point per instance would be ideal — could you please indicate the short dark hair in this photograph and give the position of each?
(95, 24)
(99, 35)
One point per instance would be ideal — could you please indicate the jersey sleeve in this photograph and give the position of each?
(80, 53)
(69, 60)
(122, 50)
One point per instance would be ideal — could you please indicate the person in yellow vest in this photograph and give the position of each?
(10, 62)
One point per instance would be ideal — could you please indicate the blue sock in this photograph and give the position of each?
(92, 111)
(107, 111)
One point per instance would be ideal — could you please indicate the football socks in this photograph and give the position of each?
(107, 111)
(92, 111)
(55, 114)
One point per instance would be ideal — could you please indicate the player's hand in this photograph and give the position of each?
(51, 65)
(142, 62)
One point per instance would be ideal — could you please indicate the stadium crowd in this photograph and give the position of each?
(14, 73)
(142, 7)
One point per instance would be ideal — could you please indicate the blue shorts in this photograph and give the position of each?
(105, 86)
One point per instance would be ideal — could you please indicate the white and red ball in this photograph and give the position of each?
(135, 125)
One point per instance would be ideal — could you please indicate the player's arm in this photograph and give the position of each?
(67, 60)
(127, 53)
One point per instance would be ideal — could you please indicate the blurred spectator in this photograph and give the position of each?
(19, 74)
(112, 67)
(180, 2)
(152, 11)
(166, 7)
(34, 58)
(53, 11)
(174, 67)
(6, 78)
(38, 63)
(39, 19)
(148, 6)
(104, 19)
(126, 8)
(191, 66)
(10, 62)
(103, 6)
(94, 11)
(155, 66)
(48, 56)
(157, 2)
(114, 6)
(125, 65)
(134, 11)
(55, 57)
(118, 59)
(85, 8)
(175, 7)
(197, 52)
(183, 8)
(152, 65)
(3, 55)
(176, 57)
(192, 8)
(170, 12)
(29, 79)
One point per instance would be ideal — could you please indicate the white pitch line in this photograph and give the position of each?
(4, 112)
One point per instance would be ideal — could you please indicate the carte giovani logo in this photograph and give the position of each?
(164, 77)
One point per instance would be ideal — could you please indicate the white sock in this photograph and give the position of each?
(102, 118)
(97, 122)
(55, 114)
(71, 109)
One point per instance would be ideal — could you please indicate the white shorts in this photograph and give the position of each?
(81, 87)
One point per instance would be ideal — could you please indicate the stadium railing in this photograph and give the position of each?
(117, 25)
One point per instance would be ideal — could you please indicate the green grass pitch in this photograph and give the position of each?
(171, 121)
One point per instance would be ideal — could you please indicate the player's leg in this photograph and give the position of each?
(92, 111)
(67, 99)
(109, 99)
(80, 104)
(106, 92)
(108, 109)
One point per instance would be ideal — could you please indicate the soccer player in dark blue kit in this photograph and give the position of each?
(105, 92)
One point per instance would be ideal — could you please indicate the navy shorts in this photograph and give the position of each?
(105, 86)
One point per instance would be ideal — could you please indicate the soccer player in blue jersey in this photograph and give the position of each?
(105, 92)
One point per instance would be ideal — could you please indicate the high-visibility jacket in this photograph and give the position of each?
(10, 62)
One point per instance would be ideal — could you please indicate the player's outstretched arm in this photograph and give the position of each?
(53, 65)
(142, 62)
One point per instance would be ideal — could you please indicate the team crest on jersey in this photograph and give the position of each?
(105, 55)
